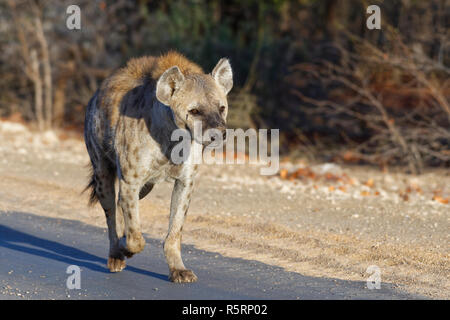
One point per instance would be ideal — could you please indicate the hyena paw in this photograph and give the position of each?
(116, 264)
(182, 276)
(134, 244)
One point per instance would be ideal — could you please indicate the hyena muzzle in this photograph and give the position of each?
(128, 127)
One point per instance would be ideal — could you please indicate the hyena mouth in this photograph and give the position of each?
(198, 138)
(217, 139)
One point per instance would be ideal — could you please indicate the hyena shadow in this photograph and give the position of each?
(26, 243)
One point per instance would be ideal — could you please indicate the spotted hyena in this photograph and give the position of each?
(128, 127)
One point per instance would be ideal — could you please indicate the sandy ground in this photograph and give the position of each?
(335, 222)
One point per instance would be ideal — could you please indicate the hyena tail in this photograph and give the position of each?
(93, 198)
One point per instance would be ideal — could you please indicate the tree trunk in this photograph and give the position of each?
(47, 73)
(37, 82)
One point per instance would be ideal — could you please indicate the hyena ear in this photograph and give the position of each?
(168, 83)
(223, 75)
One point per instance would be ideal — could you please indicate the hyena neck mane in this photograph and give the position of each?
(131, 89)
(139, 73)
(149, 67)
(146, 71)
(171, 59)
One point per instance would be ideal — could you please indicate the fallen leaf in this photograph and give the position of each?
(440, 199)
(369, 183)
(283, 173)
(331, 177)
(350, 156)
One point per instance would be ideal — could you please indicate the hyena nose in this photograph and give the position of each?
(216, 135)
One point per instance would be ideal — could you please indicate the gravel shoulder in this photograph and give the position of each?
(316, 227)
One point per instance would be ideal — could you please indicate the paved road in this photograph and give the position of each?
(35, 252)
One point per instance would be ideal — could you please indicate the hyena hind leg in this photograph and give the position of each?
(105, 193)
(133, 242)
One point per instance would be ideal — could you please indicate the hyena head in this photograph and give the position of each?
(199, 99)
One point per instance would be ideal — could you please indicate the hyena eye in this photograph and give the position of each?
(222, 109)
(194, 111)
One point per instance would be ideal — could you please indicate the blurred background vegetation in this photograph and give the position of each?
(335, 89)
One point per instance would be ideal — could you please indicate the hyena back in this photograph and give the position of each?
(128, 127)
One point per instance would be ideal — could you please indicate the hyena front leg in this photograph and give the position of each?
(133, 242)
(179, 205)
